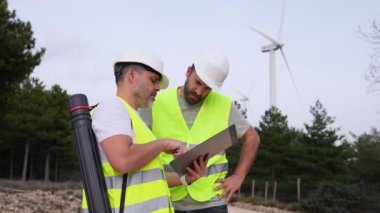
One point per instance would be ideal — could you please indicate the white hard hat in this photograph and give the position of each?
(147, 58)
(212, 68)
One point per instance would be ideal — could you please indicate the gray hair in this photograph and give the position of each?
(121, 68)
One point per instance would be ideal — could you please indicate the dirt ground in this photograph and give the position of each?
(238, 207)
(47, 197)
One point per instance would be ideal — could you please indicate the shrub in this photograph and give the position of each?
(335, 197)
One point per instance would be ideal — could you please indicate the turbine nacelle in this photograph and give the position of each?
(272, 47)
(244, 99)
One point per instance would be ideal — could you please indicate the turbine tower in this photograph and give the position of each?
(271, 48)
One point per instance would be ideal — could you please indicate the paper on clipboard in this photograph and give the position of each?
(211, 147)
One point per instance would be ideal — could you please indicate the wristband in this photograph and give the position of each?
(183, 180)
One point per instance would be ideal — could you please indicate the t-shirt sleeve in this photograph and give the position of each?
(237, 118)
(111, 118)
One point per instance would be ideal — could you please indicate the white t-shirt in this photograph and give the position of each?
(111, 118)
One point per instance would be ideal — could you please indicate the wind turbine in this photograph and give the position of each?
(271, 48)
(245, 100)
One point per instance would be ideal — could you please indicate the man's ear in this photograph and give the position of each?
(130, 74)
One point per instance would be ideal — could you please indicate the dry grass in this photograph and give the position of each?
(254, 202)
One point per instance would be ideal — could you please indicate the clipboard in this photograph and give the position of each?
(212, 146)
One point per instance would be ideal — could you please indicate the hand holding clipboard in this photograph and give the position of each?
(212, 146)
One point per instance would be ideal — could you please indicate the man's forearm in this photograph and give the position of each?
(251, 142)
(173, 179)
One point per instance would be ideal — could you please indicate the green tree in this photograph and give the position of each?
(56, 128)
(326, 158)
(26, 118)
(274, 137)
(367, 158)
(281, 154)
(296, 153)
(367, 167)
(39, 127)
(18, 56)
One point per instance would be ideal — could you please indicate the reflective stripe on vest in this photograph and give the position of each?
(153, 205)
(147, 189)
(135, 178)
(168, 122)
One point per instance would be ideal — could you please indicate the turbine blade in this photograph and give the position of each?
(291, 74)
(281, 29)
(240, 93)
(266, 36)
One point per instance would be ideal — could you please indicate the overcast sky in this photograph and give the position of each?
(327, 57)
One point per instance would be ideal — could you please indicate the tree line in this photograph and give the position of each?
(37, 137)
(35, 133)
(316, 154)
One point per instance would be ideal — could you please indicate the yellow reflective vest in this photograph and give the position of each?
(213, 116)
(147, 189)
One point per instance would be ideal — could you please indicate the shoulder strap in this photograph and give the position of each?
(123, 190)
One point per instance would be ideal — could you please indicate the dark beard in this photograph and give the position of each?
(187, 93)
